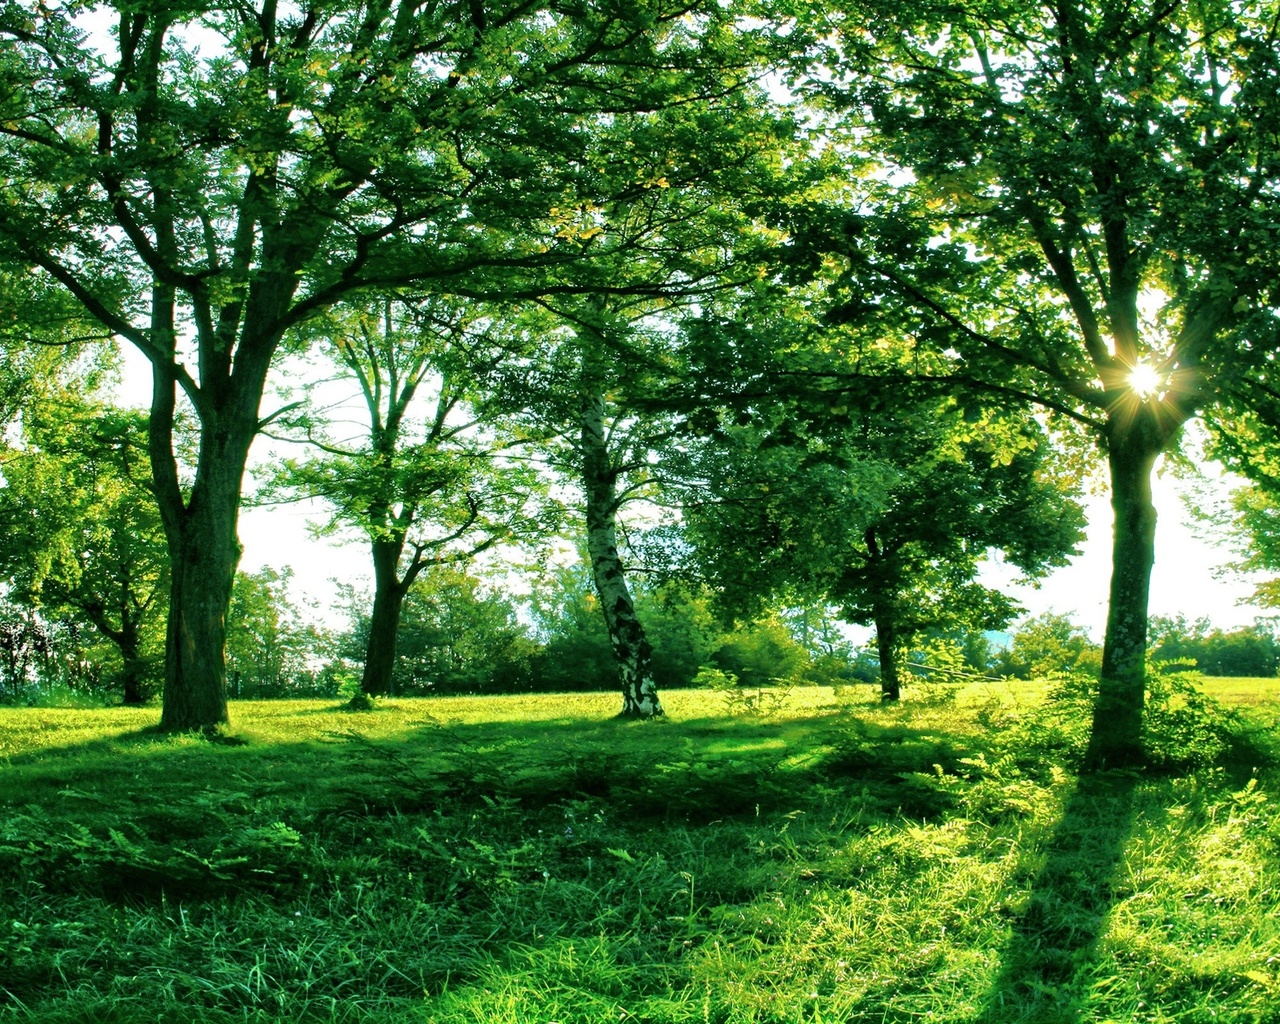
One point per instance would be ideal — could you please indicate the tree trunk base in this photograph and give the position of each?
(636, 715)
(362, 702)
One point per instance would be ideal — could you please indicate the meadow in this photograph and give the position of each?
(771, 856)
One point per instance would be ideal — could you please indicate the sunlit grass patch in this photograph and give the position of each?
(1244, 690)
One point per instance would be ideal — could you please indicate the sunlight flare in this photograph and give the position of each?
(1145, 380)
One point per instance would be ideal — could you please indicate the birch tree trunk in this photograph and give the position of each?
(631, 649)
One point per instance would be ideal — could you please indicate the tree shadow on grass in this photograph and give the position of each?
(696, 770)
(1047, 964)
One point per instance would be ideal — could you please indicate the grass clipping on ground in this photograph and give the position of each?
(531, 860)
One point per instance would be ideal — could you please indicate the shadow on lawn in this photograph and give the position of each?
(357, 763)
(691, 771)
(1047, 963)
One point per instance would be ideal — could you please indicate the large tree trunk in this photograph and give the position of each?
(204, 561)
(1115, 741)
(378, 679)
(631, 650)
(887, 647)
(200, 530)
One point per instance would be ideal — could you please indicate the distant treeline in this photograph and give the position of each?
(461, 635)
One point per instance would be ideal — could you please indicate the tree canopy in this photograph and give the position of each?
(203, 179)
(1067, 204)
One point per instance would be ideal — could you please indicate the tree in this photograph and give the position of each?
(1247, 651)
(457, 635)
(84, 537)
(682, 187)
(1070, 204)
(213, 176)
(43, 337)
(576, 652)
(1249, 520)
(26, 645)
(610, 450)
(425, 486)
(1049, 645)
(886, 512)
(762, 652)
(688, 235)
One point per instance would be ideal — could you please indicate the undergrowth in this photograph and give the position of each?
(825, 858)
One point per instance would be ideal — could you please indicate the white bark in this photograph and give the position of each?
(631, 650)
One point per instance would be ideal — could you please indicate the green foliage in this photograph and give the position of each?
(744, 698)
(575, 653)
(125, 862)
(1185, 729)
(206, 181)
(361, 701)
(885, 512)
(26, 651)
(457, 634)
(691, 646)
(273, 648)
(425, 481)
(1066, 205)
(1247, 651)
(761, 653)
(1049, 646)
(680, 623)
(85, 548)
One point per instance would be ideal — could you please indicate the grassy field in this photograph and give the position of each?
(811, 856)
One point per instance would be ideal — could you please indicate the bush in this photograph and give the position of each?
(1183, 727)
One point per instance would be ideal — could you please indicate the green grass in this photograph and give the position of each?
(531, 859)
